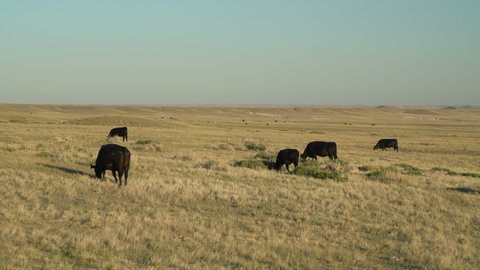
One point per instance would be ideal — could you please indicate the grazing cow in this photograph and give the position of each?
(386, 143)
(115, 158)
(322, 149)
(287, 157)
(120, 131)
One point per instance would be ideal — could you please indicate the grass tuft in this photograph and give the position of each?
(264, 155)
(337, 170)
(147, 146)
(222, 146)
(454, 173)
(470, 174)
(183, 157)
(255, 146)
(318, 173)
(250, 163)
(144, 142)
(390, 173)
(445, 170)
(45, 154)
(210, 165)
(8, 149)
(364, 168)
(383, 174)
(409, 169)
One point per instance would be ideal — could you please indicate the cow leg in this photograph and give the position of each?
(288, 170)
(103, 175)
(126, 176)
(114, 175)
(120, 174)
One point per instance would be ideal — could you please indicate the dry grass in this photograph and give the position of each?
(187, 204)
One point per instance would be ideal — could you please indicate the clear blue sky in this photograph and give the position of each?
(367, 52)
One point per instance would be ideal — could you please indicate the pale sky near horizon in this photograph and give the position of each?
(240, 52)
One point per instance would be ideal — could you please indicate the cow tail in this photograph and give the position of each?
(126, 163)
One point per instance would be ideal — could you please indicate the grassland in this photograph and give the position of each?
(200, 195)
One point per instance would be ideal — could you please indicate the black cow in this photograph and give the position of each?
(386, 143)
(120, 131)
(287, 157)
(115, 158)
(322, 149)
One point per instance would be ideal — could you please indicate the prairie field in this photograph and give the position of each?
(200, 194)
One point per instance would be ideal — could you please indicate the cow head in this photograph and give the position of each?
(303, 156)
(269, 164)
(276, 167)
(375, 147)
(98, 172)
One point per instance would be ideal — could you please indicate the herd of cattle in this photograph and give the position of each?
(117, 158)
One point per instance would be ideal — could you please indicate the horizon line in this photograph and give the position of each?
(456, 106)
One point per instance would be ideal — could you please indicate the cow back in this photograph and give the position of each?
(386, 143)
(112, 156)
(120, 131)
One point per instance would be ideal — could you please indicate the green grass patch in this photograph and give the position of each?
(445, 170)
(251, 163)
(470, 174)
(382, 174)
(183, 157)
(210, 165)
(147, 147)
(7, 149)
(409, 169)
(229, 147)
(376, 174)
(255, 146)
(454, 173)
(264, 155)
(336, 170)
(319, 173)
(144, 142)
(261, 160)
(309, 162)
(45, 154)
(364, 168)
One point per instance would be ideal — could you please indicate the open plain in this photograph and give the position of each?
(200, 196)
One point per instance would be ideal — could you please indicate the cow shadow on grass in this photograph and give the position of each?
(68, 170)
(465, 190)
